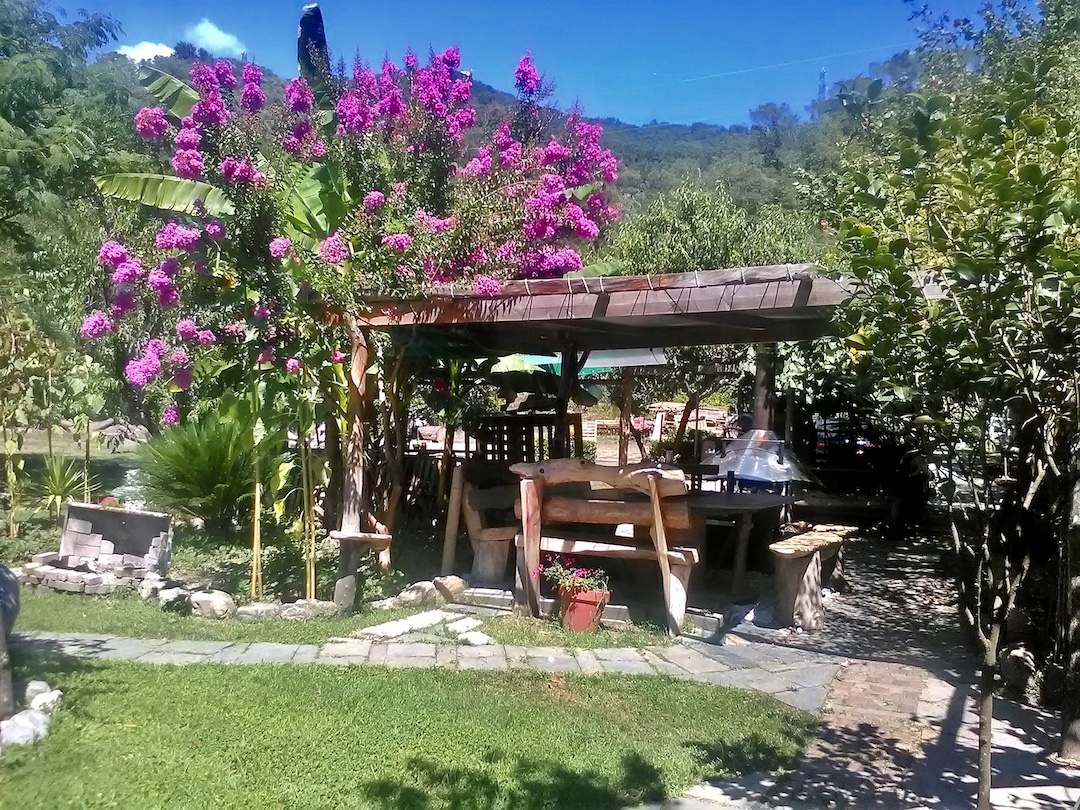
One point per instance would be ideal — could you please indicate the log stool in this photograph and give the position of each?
(799, 575)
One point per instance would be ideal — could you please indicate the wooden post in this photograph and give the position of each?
(353, 504)
(659, 537)
(742, 546)
(763, 386)
(453, 517)
(532, 493)
(626, 415)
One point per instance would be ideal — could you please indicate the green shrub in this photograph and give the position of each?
(60, 480)
(202, 469)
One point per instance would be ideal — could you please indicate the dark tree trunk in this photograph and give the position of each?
(1069, 750)
(689, 408)
(336, 461)
(986, 718)
(353, 505)
(7, 697)
(764, 378)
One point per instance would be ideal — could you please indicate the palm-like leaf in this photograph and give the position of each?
(176, 96)
(166, 193)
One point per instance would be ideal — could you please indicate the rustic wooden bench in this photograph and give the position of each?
(803, 563)
(491, 544)
(543, 501)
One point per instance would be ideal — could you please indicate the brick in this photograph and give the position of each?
(74, 587)
(78, 525)
(107, 547)
(44, 559)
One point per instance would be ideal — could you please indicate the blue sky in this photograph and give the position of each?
(638, 60)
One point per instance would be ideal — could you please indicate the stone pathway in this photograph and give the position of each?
(795, 677)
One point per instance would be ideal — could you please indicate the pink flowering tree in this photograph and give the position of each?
(286, 221)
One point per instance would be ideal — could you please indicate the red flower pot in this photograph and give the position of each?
(581, 610)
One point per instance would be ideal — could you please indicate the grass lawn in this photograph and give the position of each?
(530, 632)
(129, 616)
(147, 736)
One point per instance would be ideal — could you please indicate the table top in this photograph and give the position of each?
(733, 502)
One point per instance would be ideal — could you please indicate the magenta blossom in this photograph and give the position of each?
(123, 303)
(215, 230)
(280, 247)
(188, 164)
(96, 324)
(205, 79)
(333, 249)
(373, 200)
(112, 254)
(182, 378)
(141, 371)
(150, 122)
(252, 98)
(188, 138)
(337, 357)
(267, 355)
(292, 365)
(526, 77)
(262, 311)
(398, 241)
(155, 347)
(206, 337)
(432, 224)
(486, 285)
(179, 357)
(177, 237)
(226, 76)
(298, 96)
(186, 329)
(171, 415)
(127, 271)
(210, 112)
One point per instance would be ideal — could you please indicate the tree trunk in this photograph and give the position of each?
(7, 697)
(335, 460)
(690, 407)
(763, 386)
(626, 415)
(353, 504)
(986, 718)
(1069, 751)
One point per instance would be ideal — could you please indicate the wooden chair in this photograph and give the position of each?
(491, 543)
(542, 503)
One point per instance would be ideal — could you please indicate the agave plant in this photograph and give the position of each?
(203, 469)
(60, 480)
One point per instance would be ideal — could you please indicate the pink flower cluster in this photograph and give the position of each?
(333, 249)
(177, 237)
(252, 98)
(398, 242)
(234, 170)
(526, 77)
(150, 122)
(486, 285)
(96, 324)
(373, 200)
(299, 96)
(280, 247)
(171, 416)
(432, 224)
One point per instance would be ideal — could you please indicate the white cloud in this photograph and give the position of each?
(144, 50)
(209, 36)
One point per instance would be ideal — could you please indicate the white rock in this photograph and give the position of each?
(450, 587)
(419, 594)
(177, 600)
(429, 618)
(150, 586)
(213, 604)
(25, 728)
(309, 609)
(48, 702)
(390, 603)
(475, 638)
(26, 692)
(463, 625)
(258, 612)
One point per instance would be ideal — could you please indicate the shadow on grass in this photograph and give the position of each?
(531, 785)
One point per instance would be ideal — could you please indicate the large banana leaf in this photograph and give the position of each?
(177, 97)
(166, 193)
(318, 203)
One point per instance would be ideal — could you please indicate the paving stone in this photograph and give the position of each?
(198, 647)
(377, 655)
(229, 654)
(664, 667)
(267, 653)
(639, 667)
(464, 625)
(475, 638)
(813, 675)
(487, 651)
(757, 679)
(410, 651)
(352, 648)
(306, 654)
(809, 698)
(343, 660)
(619, 654)
(171, 658)
(419, 621)
(446, 656)
(491, 662)
(517, 657)
(688, 659)
(587, 661)
(563, 662)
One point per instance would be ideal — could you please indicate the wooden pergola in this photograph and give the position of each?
(576, 315)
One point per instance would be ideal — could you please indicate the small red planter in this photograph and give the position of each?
(581, 609)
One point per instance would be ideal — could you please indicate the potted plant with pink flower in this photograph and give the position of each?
(583, 593)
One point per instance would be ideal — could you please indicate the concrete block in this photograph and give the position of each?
(106, 547)
(134, 559)
(78, 525)
(92, 579)
(44, 559)
(73, 587)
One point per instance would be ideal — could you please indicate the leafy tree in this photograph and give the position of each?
(185, 50)
(976, 197)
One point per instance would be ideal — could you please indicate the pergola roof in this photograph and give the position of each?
(740, 305)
